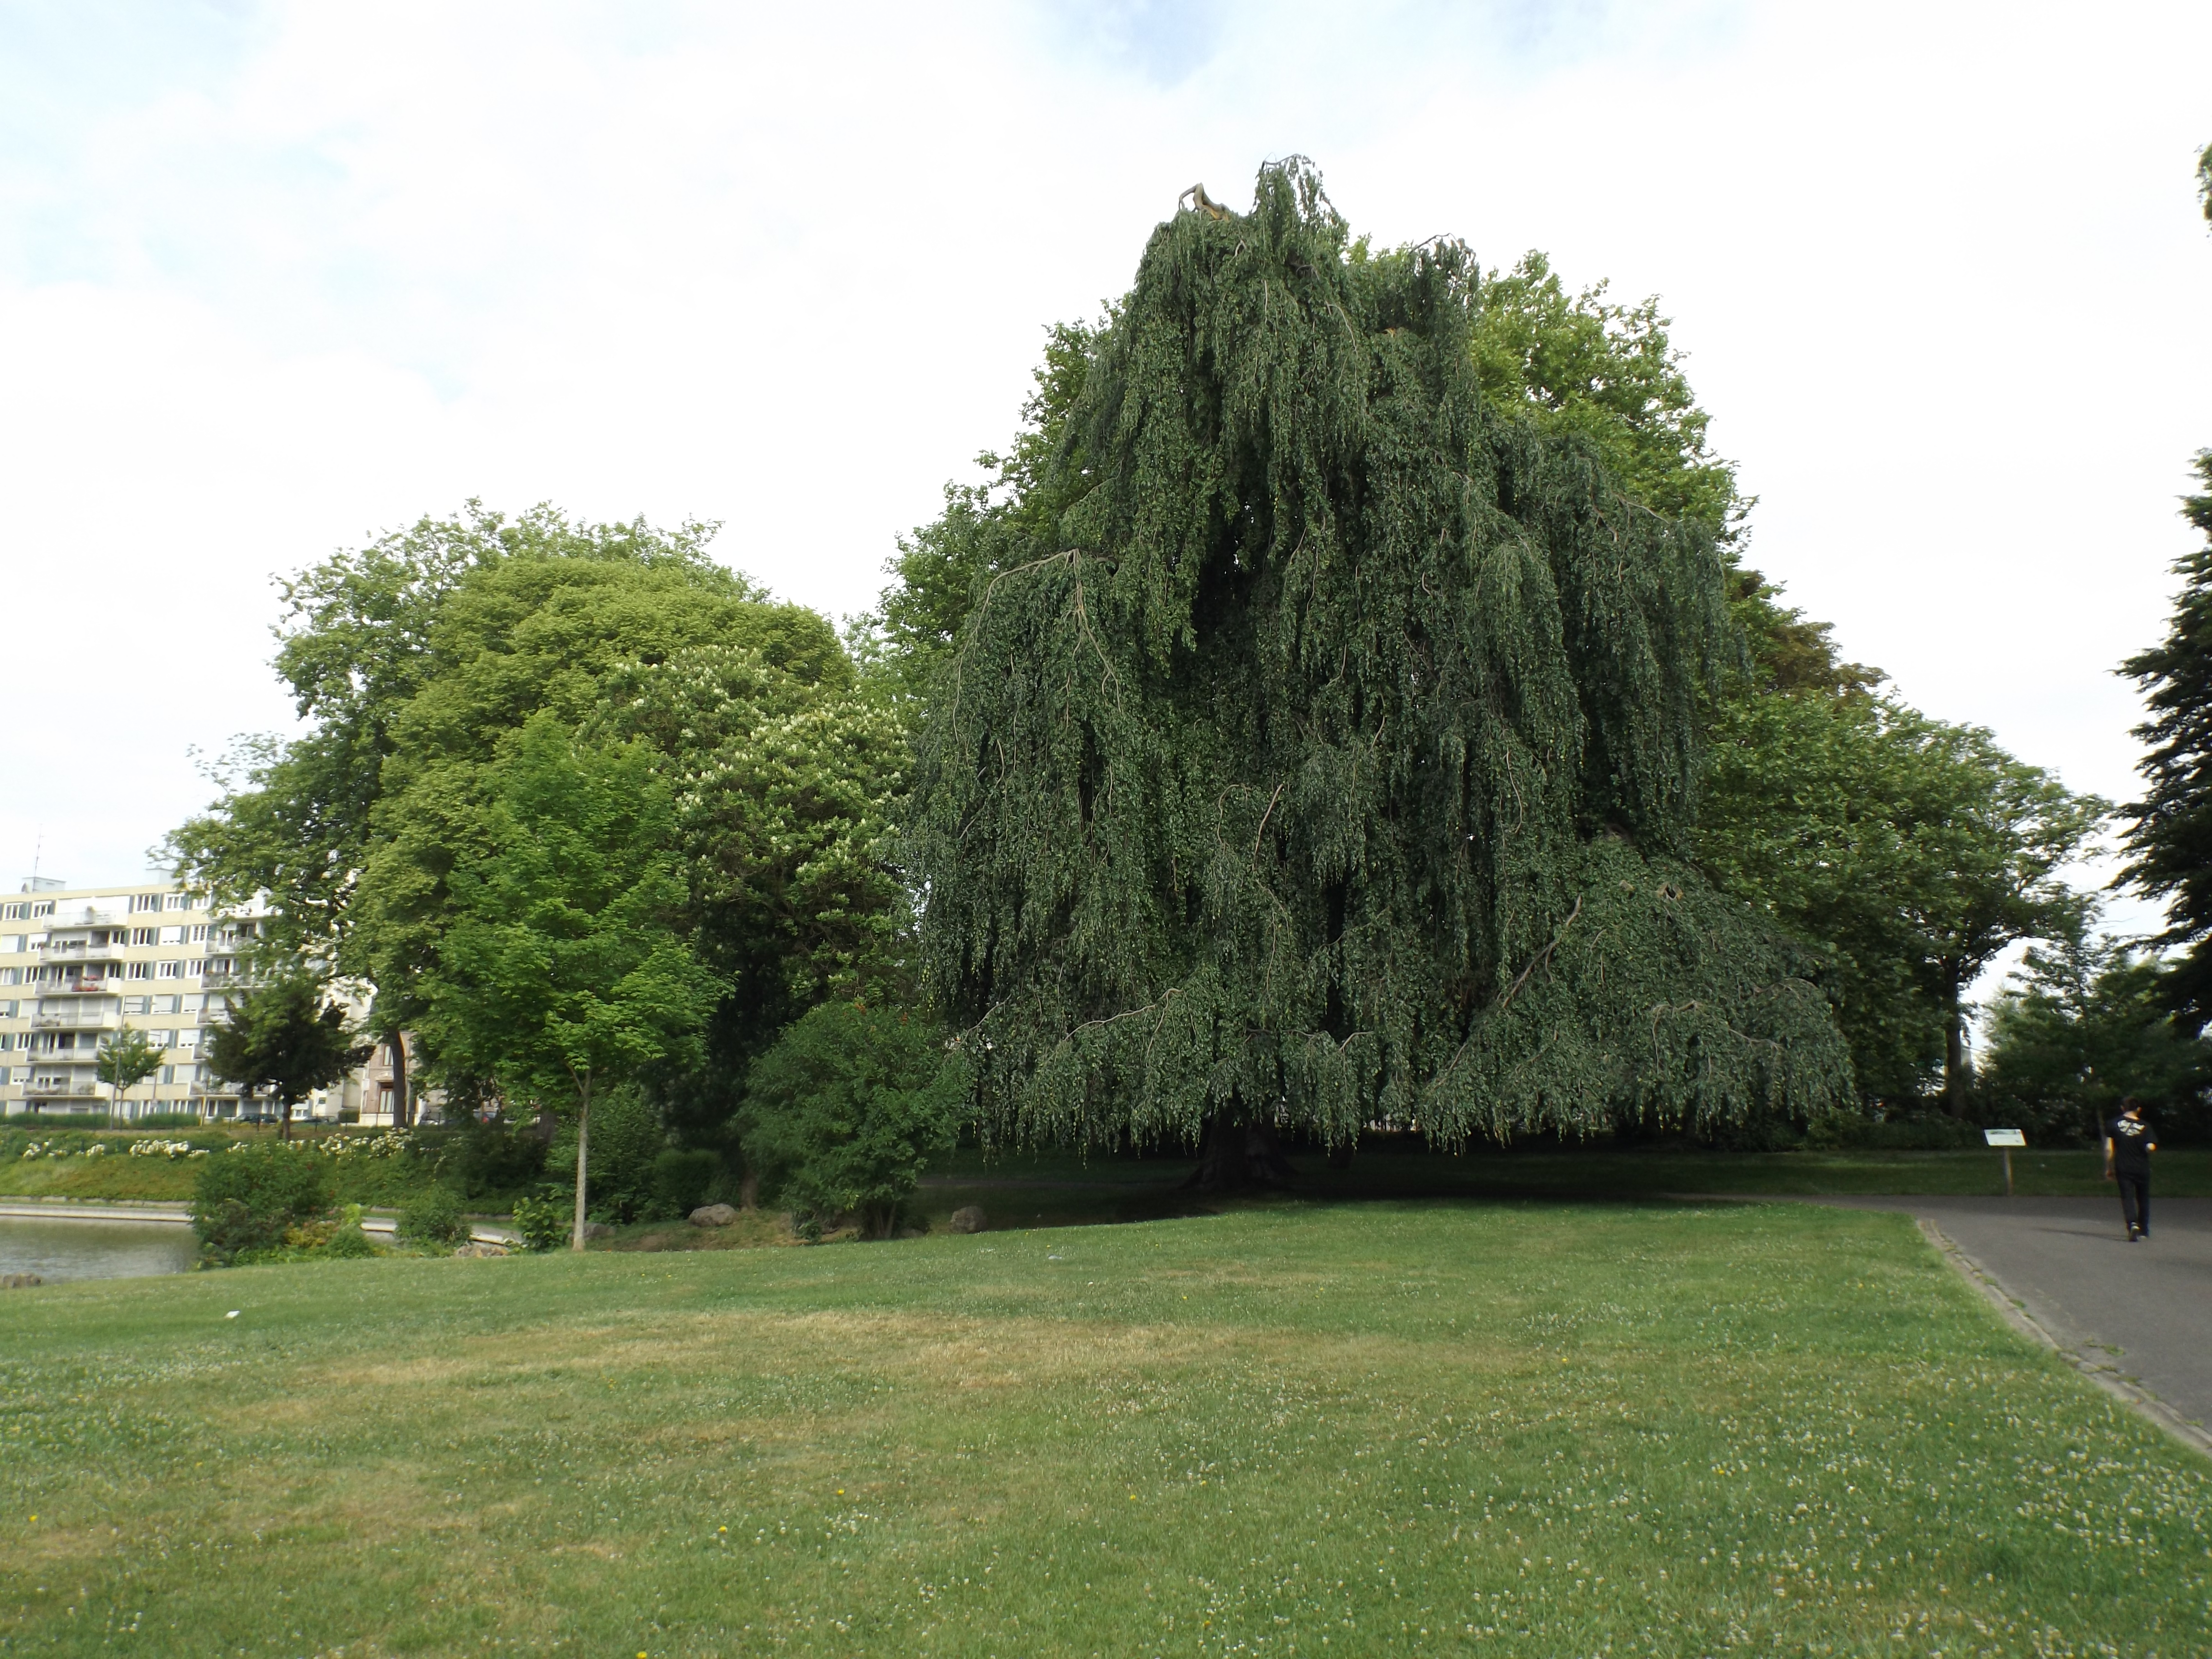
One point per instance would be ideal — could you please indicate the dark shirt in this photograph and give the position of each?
(2130, 1138)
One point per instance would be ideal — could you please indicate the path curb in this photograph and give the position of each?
(2015, 1313)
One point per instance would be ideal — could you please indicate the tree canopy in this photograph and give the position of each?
(1915, 851)
(415, 661)
(2082, 1023)
(1331, 754)
(561, 969)
(285, 1035)
(2169, 833)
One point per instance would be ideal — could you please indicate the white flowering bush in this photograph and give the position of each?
(168, 1149)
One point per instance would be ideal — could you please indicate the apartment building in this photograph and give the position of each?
(80, 964)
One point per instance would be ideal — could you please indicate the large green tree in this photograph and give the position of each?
(1330, 756)
(413, 660)
(2082, 1023)
(285, 1035)
(2169, 834)
(562, 969)
(1913, 850)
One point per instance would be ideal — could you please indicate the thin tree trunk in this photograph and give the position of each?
(583, 1161)
(399, 1113)
(283, 1120)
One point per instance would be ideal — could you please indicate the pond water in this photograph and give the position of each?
(63, 1249)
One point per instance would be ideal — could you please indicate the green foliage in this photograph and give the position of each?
(2082, 1023)
(683, 1177)
(247, 1199)
(366, 632)
(496, 1155)
(1609, 374)
(847, 1109)
(126, 1059)
(543, 1219)
(1325, 756)
(562, 969)
(1914, 850)
(347, 1241)
(433, 1216)
(627, 1137)
(781, 786)
(417, 661)
(282, 1036)
(2169, 834)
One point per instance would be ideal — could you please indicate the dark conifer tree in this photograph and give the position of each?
(2170, 838)
(1327, 758)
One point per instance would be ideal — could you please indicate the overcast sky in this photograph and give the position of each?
(275, 278)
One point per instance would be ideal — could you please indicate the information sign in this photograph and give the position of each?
(2004, 1137)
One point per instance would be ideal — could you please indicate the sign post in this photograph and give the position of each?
(2006, 1139)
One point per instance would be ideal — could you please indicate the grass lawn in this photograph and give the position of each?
(1402, 1426)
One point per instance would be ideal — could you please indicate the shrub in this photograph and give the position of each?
(333, 1236)
(167, 1121)
(498, 1157)
(681, 1179)
(847, 1109)
(245, 1201)
(626, 1138)
(1933, 1132)
(433, 1216)
(544, 1220)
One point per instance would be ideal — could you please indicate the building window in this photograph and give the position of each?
(138, 1004)
(11, 975)
(41, 908)
(144, 936)
(168, 970)
(15, 943)
(142, 970)
(198, 935)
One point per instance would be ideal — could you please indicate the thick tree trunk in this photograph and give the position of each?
(749, 1190)
(1956, 1077)
(283, 1120)
(1238, 1154)
(583, 1162)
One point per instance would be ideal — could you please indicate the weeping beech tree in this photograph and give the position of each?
(1328, 760)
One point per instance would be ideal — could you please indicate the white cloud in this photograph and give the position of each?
(277, 279)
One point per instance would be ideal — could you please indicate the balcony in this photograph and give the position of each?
(79, 1018)
(80, 988)
(48, 1087)
(78, 949)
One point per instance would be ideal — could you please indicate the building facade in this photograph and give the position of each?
(79, 965)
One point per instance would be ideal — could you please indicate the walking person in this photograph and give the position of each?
(2128, 1147)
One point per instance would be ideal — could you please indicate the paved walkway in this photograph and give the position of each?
(2144, 1310)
